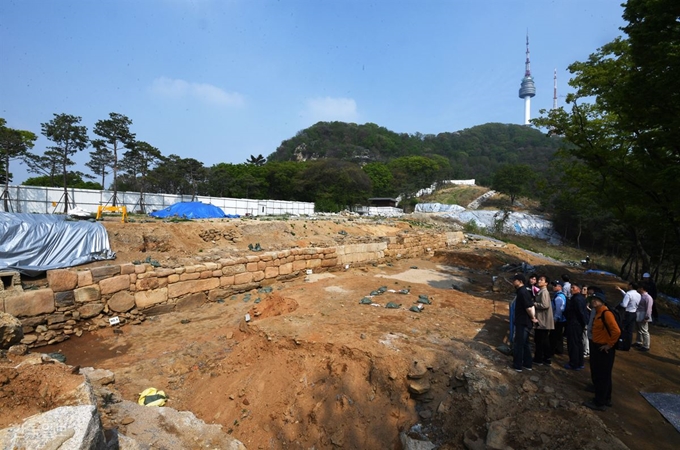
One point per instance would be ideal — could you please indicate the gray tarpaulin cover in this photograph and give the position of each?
(668, 405)
(34, 243)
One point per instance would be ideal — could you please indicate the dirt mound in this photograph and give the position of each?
(27, 389)
(273, 305)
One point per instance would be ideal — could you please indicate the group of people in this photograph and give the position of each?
(556, 309)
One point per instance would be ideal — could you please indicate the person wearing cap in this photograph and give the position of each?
(644, 317)
(629, 304)
(606, 333)
(577, 315)
(546, 323)
(650, 285)
(559, 301)
(525, 317)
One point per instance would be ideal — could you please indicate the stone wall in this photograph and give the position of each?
(78, 300)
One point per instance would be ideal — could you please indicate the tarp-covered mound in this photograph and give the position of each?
(515, 222)
(34, 243)
(438, 207)
(190, 210)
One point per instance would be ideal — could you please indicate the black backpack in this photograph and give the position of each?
(617, 318)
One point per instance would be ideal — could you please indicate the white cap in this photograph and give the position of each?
(645, 275)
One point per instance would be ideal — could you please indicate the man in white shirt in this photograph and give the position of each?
(628, 306)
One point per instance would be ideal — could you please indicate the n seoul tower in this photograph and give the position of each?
(527, 89)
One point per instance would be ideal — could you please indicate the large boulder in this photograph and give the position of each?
(66, 427)
(149, 424)
(11, 331)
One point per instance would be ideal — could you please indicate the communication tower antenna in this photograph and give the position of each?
(555, 89)
(527, 88)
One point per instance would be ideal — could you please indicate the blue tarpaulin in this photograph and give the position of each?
(190, 210)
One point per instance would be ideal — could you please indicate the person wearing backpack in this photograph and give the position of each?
(606, 333)
(628, 308)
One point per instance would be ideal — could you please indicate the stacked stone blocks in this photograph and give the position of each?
(81, 300)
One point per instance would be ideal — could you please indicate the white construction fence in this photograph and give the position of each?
(48, 200)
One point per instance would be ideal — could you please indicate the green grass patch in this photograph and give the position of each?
(456, 195)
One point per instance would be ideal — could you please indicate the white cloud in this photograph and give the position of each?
(330, 109)
(207, 93)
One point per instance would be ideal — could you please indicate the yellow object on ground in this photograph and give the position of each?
(152, 397)
(119, 209)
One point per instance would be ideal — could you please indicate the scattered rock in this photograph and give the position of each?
(472, 440)
(530, 387)
(18, 350)
(497, 434)
(419, 386)
(417, 370)
(101, 377)
(11, 331)
(409, 443)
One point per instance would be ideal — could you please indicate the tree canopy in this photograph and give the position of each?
(14, 144)
(69, 138)
(115, 135)
(624, 135)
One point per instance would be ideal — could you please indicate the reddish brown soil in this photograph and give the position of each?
(315, 369)
(32, 389)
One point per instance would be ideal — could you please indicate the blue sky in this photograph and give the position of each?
(220, 80)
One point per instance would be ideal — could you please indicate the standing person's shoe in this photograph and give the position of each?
(607, 403)
(570, 367)
(527, 368)
(637, 344)
(547, 362)
(643, 349)
(594, 406)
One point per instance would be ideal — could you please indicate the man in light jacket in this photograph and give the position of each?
(546, 322)
(644, 317)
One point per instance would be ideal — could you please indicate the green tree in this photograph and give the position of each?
(514, 180)
(14, 144)
(627, 132)
(283, 179)
(412, 173)
(381, 179)
(179, 176)
(69, 138)
(115, 135)
(137, 163)
(100, 160)
(73, 180)
(334, 184)
(258, 160)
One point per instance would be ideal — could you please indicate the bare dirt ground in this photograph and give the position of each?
(316, 369)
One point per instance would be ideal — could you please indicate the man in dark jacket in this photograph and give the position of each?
(577, 316)
(525, 317)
